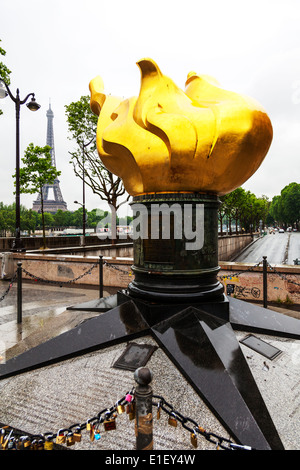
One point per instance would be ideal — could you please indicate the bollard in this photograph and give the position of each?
(100, 276)
(143, 409)
(265, 282)
(19, 293)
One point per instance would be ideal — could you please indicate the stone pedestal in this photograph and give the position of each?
(176, 248)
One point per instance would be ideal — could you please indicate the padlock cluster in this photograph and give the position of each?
(12, 440)
(104, 421)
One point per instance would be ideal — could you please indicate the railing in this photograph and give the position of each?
(17, 277)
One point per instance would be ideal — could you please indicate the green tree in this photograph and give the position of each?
(36, 172)
(290, 203)
(28, 220)
(7, 217)
(93, 218)
(82, 125)
(62, 218)
(285, 208)
(4, 71)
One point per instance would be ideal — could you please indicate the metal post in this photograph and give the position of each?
(101, 276)
(19, 293)
(143, 409)
(265, 282)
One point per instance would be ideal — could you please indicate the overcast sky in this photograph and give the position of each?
(55, 48)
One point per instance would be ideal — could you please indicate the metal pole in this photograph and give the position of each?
(83, 197)
(265, 282)
(143, 409)
(17, 242)
(101, 276)
(19, 293)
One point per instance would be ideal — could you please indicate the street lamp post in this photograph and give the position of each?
(84, 145)
(33, 106)
(83, 219)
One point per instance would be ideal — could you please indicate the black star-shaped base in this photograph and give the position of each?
(199, 339)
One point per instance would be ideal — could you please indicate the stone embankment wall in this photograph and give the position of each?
(246, 280)
(228, 245)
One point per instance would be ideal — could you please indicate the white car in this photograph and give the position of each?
(281, 230)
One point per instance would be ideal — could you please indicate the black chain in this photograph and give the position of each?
(9, 287)
(60, 283)
(240, 272)
(109, 265)
(283, 276)
(192, 426)
(12, 439)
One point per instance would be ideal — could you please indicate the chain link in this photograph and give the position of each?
(240, 272)
(283, 276)
(9, 287)
(193, 427)
(110, 265)
(37, 278)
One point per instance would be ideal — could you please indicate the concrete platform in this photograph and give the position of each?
(75, 390)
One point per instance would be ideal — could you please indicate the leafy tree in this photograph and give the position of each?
(94, 217)
(4, 71)
(244, 208)
(37, 172)
(290, 204)
(28, 220)
(62, 218)
(285, 208)
(7, 217)
(82, 125)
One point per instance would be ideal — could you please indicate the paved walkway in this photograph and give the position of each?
(75, 390)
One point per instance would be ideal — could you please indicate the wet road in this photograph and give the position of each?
(281, 248)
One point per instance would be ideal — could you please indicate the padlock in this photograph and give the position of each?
(92, 431)
(48, 444)
(194, 441)
(60, 437)
(6, 440)
(12, 444)
(70, 439)
(130, 410)
(158, 410)
(24, 443)
(40, 444)
(110, 424)
(88, 425)
(128, 397)
(120, 409)
(34, 444)
(77, 434)
(172, 420)
(2, 435)
(97, 434)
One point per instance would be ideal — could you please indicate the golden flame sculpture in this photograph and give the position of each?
(204, 139)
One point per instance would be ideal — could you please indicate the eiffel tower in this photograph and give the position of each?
(58, 203)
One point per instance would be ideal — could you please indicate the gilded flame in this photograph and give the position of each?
(203, 139)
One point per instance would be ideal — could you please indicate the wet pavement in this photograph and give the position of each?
(59, 395)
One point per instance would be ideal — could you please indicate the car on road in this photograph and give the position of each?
(281, 230)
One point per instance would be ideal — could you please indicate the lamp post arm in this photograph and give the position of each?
(8, 90)
(25, 99)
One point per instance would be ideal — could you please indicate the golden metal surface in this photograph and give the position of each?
(204, 139)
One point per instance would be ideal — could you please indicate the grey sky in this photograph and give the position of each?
(55, 48)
